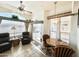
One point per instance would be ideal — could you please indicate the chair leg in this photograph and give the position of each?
(49, 51)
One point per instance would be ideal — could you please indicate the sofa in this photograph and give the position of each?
(26, 39)
(5, 43)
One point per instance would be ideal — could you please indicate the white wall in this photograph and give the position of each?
(77, 6)
(61, 7)
(74, 39)
(46, 24)
(73, 33)
(38, 14)
(78, 39)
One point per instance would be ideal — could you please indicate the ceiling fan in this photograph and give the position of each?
(22, 7)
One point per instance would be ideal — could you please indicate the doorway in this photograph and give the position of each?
(37, 32)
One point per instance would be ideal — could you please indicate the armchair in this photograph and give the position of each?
(5, 43)
(26, 38)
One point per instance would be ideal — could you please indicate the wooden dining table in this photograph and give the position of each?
(55, 42)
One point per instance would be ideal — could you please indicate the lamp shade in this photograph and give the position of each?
(13, 28)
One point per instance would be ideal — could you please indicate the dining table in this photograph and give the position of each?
(55, 42)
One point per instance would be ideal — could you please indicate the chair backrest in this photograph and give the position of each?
(45, 37)
(25, 34)
(63, 51)
(4, 37)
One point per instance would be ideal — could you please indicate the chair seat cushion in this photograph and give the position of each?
(25, 39)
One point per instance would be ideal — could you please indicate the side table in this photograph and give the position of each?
(15, 42)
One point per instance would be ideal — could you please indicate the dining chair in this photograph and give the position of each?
(47, 47)
(63, 51)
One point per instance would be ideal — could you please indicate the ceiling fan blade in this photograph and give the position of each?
(28, 11)
(17, 9)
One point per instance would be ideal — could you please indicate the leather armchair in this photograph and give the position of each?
(26, 38)
(5, 43)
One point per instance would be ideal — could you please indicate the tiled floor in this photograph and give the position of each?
(29, 50)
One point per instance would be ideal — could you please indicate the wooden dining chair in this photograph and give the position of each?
(47, 47)
(45, 37)
(63, 51)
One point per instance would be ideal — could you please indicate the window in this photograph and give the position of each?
(54, 28)
(60, 28)
(6, 26)
(10, 15)
(65, 28)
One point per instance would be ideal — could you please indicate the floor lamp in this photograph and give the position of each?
(13, 28)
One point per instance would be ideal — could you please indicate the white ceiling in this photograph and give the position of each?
(32, 5)
(11, 6)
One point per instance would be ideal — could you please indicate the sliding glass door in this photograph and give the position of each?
(37, 31)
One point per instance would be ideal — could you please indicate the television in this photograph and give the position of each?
(78, 17)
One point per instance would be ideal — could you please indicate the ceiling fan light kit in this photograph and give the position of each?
(21, 7)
